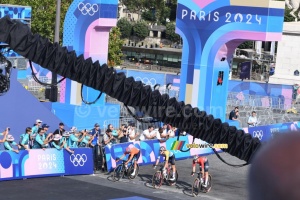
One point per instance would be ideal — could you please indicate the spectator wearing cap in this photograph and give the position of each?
(75, 138)
(41, 140)
(60, 129)
(66, 138)
(95, 132)
(24, 139)
(59, 143)
(46, 128)
(9, 143)
(34, 131)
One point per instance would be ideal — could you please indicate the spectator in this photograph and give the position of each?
(59, 144)
(171, 132)
(75, 137)
(123, 134)
(108, 138)
(66, 138)
(60, 129)
(87, 138)
(95, 132)
(232, 115)
(46, 128)
(133, 134)
(34, 131)
(148, 134)
(9, 143)
(275, 169)
(24, 139)
(252, 121)
(4, 133)
(41, 140)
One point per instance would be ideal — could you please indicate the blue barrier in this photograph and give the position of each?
(42, 163)
(266, 133)
(150, 150)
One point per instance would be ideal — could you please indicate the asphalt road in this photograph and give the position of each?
(228, 183)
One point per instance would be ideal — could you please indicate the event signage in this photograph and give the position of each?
(41, 163)
(150, 150)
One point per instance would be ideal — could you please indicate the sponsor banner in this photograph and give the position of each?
(150, 150)
(266, 133)
(41, 163)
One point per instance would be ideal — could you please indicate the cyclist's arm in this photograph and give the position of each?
(167, 154)
(129, 158)
(157, 160)
(194, 167)
(121, 157)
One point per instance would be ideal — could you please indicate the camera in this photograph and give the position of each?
(8, 128)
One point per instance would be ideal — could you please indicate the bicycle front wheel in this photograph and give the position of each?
(157, 180)
(196, 187)
(118, 172)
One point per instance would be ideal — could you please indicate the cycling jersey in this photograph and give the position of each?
(203, 162)
(134, 153)
(169, 156)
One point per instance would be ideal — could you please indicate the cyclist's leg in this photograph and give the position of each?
(206, 166)
(135, 159)
(172, 161)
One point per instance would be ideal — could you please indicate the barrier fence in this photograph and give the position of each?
(150, 150)
(42, 163)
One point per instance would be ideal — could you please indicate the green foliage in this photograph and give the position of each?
(140, 29)
(170, 33)
(43, 15)
(125, 27)
(246, 45)
(114, 47)
(149, 15)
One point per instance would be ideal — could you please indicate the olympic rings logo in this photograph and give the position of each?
(258, 134)
(146, 81)
(88, 8)
(78, 160)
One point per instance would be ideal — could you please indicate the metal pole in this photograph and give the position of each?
(54, 90)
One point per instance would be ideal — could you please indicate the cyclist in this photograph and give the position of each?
(134, 154)
(203, 164)
(169, 158)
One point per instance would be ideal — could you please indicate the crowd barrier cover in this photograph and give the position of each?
(150, 150)
(42, 163)
(266, 133)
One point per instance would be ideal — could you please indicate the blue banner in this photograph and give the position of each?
(41, 163)
(266, 133)
(149, 150)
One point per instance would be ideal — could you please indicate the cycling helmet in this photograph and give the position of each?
(127, 150)
(162, 148)
(195, 157)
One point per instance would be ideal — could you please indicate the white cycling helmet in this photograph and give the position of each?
(195, 157)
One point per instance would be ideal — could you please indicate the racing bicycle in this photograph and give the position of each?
(121, 170)
(159, 177)
(198, 187)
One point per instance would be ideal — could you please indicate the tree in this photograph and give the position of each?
(43, 15)
(246, 45)
(114, 47)
(125, 27)
(140, 29)
(170, 33)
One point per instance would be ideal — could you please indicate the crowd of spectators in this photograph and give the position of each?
(39, 137)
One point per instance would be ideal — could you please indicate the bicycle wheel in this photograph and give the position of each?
(172, 182)
(130, 171)
(209, 185)
(157, 179)
(118, 172)
(196, 187)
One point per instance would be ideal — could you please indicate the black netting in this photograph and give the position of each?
(67, 64)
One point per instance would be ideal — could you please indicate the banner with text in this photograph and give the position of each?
(266, 133)
(41, 163)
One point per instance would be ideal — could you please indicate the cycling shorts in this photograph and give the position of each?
(206, 166)
(172, 159)
(137, 156)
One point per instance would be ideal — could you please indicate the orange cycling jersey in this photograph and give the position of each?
(133, 152)
(200, 161)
